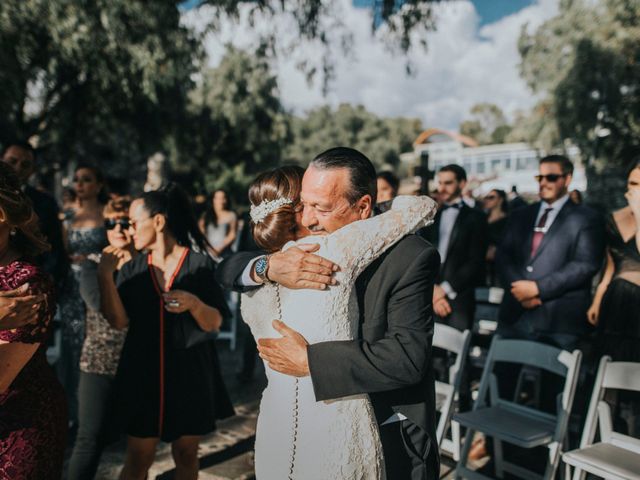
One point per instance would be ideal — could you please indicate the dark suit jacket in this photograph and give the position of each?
(569, 256)
(464, 264)
(391, 359)
(55, 261)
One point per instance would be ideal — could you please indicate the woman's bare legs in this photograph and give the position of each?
(185, 454)
(140, 455)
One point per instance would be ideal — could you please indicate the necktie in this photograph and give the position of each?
(539, 231)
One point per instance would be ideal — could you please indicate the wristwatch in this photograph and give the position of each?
(262, 267)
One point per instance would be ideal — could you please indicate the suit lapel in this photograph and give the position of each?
(530, 224)
(455, 231)
(554, 228)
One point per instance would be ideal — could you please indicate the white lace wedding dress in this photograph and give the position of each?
(297, 437)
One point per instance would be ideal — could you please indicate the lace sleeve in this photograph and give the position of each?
(356, 245)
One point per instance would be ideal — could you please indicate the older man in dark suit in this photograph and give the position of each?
(549, 254)
(391, 361)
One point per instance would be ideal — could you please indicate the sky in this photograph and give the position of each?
(472, 57)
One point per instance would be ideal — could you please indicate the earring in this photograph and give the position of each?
(13, 232)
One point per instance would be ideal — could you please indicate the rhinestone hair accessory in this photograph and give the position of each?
(260, 212)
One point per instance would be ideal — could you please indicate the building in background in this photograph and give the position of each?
(488, 166)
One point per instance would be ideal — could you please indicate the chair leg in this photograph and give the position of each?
(464, 455)
(455, 436)
(498, 458)
(554, 460)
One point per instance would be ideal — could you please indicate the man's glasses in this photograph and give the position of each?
(552, 177)
(111, 223)
(490, 197)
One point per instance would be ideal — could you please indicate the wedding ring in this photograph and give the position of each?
(173, 303)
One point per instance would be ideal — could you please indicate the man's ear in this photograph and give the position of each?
(365, 207)
(567, 180)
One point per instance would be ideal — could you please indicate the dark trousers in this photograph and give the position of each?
(408, 452)
(94, 395)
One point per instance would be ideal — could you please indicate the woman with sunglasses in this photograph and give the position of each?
(496, 206)
(102, 346)
(169, 385)
(84, 236)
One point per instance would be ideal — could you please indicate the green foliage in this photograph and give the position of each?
(586, 61)
(381, 139)
(97, 80)
(487, 125)
(238, 126)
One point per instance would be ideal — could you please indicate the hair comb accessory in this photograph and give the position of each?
(259, 213)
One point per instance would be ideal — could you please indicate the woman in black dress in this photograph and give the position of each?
(616, 305)
(496, 205)
(167, 298)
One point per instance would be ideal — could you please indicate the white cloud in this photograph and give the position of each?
(464, 64)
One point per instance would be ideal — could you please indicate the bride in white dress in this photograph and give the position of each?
(298, 437)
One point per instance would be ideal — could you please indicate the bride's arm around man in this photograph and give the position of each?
(391, 359)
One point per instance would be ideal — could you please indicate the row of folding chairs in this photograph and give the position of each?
(505, 420)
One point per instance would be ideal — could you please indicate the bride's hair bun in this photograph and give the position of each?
(279, 226)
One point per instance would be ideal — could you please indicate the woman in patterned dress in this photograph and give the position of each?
(33, 419)
(101, 349)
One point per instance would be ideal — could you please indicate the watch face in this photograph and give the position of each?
(261, 266)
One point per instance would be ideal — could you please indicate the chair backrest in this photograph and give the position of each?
(539, 355)
(456, 342)
(616, 376)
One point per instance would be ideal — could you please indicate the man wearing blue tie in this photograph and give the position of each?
(548, 256)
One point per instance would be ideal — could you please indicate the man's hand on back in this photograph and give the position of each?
(299, 268)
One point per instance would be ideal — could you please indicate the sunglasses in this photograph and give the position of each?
(111, 223)
(552, 177)
(490, 197)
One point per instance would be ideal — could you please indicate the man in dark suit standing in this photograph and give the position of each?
(460, 233)
(548, 256)
(21, 156)
(391, 360)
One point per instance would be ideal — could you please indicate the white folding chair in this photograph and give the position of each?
(615, 456)
(456, 342)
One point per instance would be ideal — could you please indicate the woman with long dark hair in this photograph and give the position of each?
(84, 236)
(497, 207)
(219, 224)
(168, 384)
(616, 304)
(33, 416)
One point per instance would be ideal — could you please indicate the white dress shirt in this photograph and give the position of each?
(555, 206)
(447, 220)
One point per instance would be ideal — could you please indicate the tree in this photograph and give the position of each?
(487, 125)
(101, 81)
(400, 24)
(381, 139)
(589, 72)
(237, 127)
